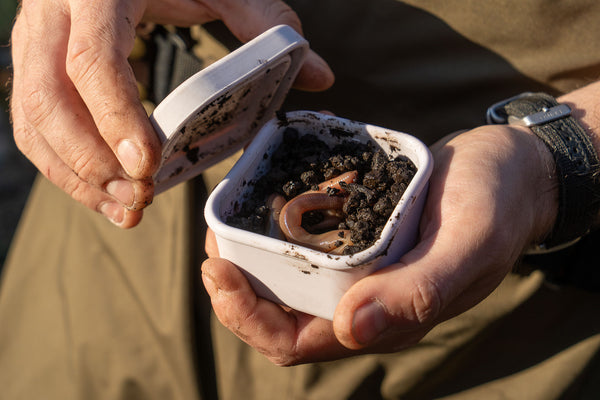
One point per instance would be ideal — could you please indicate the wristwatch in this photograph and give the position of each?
(577, 165)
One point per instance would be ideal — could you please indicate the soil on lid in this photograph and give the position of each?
(302, 162)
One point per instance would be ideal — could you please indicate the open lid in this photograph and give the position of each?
(218, 110)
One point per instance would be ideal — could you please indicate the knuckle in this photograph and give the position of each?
(107, 118)
(84, 166)
(83, 59)
(426, 301)
(39, 103)
(279, 353)
(74, 187)
(79, 191)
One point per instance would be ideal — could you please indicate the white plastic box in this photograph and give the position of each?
(222, 108)
(296, 276)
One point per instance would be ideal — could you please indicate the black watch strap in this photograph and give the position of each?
(577, 165)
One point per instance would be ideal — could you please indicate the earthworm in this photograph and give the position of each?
(275, 202)
(331, 219)
(290, 218)
(290, 221)
(334, 183)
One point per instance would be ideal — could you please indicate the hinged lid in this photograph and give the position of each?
(218, 110)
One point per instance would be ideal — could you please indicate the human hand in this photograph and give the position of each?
(490, 196)
(75, 108)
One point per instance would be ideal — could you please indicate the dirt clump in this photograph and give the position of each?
(302, 162)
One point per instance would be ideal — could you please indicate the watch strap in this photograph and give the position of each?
(577, 165)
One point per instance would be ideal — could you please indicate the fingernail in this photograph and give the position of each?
(130, 156)
(113, 211)
(369, 322)
(122, 190)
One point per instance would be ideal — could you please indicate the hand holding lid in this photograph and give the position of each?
(75, 107)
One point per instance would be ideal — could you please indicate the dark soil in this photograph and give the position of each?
(302, 162)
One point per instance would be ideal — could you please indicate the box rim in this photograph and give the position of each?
(334, 262)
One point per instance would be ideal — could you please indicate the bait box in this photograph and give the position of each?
(299, 277)
(223, 107)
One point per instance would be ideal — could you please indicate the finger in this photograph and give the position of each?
(400, 303)
(32, 144)
(60, 174)
(395, 307)
(56, 115)
(101, 38)
(248, 19)
(315, 74)
(286, 338)
(327, 112)
(210, 244)
(238, 308)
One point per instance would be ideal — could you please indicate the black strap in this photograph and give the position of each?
(577, 167)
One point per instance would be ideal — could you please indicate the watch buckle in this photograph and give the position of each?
(496, 114)
(542, 117)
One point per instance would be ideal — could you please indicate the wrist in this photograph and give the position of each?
(543, 184)
(575, 159)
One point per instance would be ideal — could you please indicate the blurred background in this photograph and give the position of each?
(16, 173)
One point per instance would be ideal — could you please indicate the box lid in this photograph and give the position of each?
(218, 110)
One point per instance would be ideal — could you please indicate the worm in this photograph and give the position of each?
(275, 202)
(334, 183)
(290, 217)
(290, 221)
(331, 219)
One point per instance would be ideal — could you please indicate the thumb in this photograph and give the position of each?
(393, 304)
(248, 19)
(397, 305)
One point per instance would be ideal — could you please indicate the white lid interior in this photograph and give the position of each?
(218, 110)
